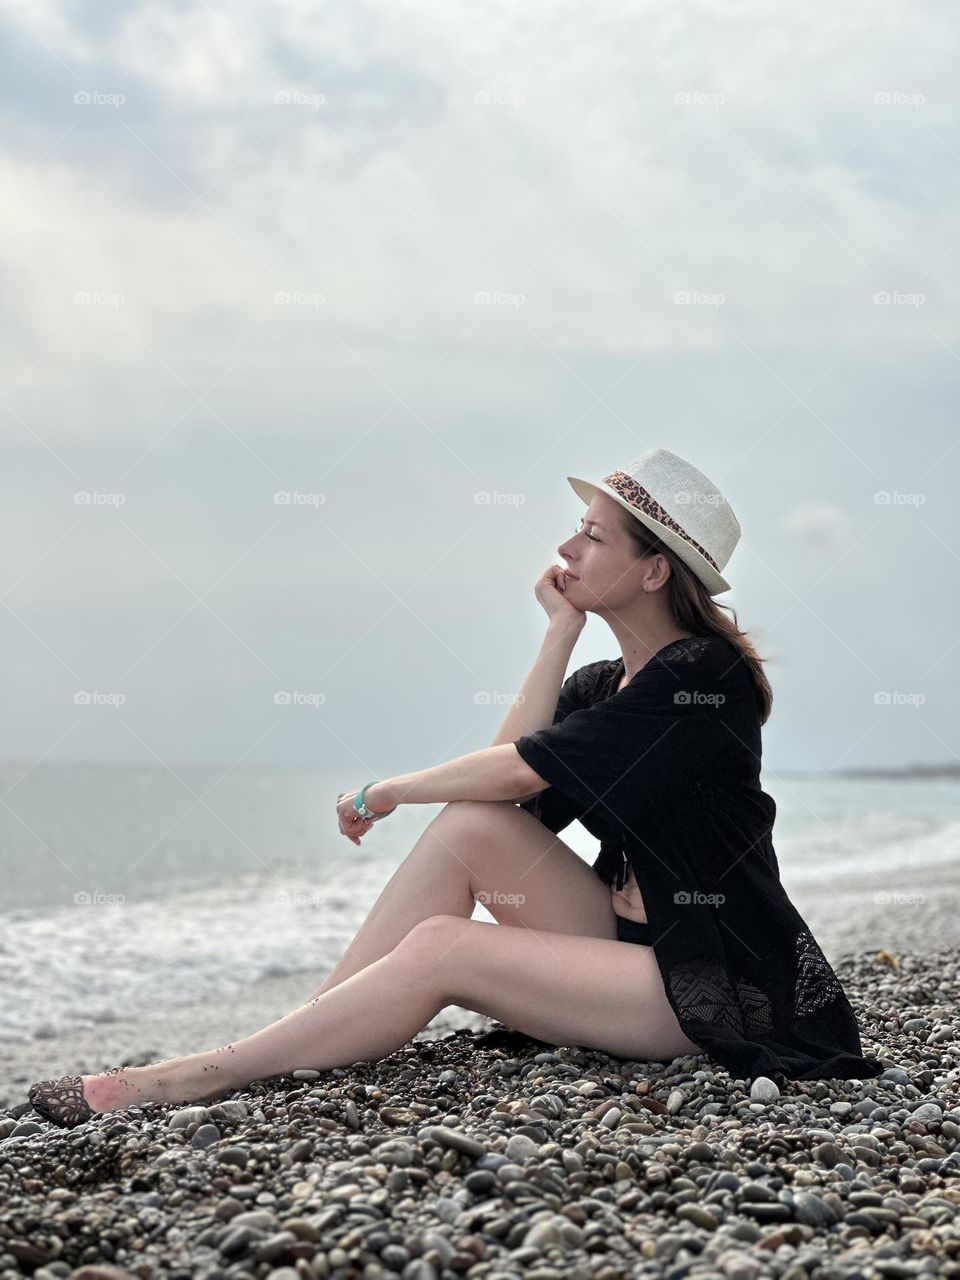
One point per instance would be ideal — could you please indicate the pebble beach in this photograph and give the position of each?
(476, 1151)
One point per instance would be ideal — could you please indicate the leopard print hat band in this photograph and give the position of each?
(657, 488)
(638, 497)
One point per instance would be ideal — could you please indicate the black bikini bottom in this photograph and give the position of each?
(633, 931)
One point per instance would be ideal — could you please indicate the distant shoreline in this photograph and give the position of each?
(905, 772)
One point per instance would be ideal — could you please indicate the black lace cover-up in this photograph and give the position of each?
(666, 773)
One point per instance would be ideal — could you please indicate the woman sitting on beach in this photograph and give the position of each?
(678, 940)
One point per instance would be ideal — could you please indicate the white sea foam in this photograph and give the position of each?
(82, 964)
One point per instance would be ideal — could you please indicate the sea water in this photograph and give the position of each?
(127, 888)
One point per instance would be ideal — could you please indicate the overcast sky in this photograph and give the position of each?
(385, 258)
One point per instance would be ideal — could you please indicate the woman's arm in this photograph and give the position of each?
(495, 773)
(537, 700)
(498, 772)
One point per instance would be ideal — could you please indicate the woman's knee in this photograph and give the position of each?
(470, 813)
(432, 933)
(428, 948)
(469, 829)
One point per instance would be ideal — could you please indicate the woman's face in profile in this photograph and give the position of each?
(602, 565)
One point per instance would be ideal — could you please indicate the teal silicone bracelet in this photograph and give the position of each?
(359, 805)
(361, 809)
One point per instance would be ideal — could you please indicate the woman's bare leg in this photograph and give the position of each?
(524, 875)
(562, 988)
(431, 880)
(367, 1017)
(493, 852)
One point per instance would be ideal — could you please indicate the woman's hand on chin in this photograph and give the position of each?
(550, 590)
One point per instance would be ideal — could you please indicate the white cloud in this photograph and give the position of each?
(818, 525)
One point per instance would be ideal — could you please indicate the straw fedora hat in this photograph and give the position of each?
(680, 505)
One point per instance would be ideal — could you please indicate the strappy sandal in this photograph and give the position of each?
(61, 1101)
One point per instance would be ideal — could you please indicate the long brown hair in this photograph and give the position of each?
(695, 610)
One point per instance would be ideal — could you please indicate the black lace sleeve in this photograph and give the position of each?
(550, 807)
